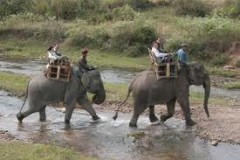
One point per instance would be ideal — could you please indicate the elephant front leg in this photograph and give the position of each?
(69, 110)
(152, 116)
(186, 111)
(88, 107)
(170, 110)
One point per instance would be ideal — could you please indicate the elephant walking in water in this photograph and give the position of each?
(42, 91)
(147, 91)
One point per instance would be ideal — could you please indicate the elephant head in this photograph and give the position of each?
(198, 75)
(92, 81)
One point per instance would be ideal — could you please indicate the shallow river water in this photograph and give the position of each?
(108, 139)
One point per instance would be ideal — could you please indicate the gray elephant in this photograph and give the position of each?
(42, 91)
(147, 91)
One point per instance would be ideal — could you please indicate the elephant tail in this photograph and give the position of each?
(25, 97)
(116, 114)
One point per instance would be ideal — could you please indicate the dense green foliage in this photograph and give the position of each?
(125, 26)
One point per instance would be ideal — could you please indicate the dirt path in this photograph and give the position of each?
(5, 136)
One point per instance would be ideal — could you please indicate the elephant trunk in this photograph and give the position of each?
(206, 86)
(99, 97)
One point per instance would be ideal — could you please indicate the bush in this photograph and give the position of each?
(220, 60)
(237, 63)
(230, 9)
(122, 36)
(30, 26)
(139, 4)
(8, 7)
(64, 9)
(191, 7)
(124, 13)
(209, 34)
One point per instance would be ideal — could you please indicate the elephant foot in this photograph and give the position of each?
(190, 122)
(95, 118)
(153, 118)
(20, 117)
(132, 125)
(42, 119)
(67, 121)
(164, 117)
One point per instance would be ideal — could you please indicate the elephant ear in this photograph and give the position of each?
(85, 81)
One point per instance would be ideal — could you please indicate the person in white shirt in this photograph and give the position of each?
(161, 57)
(53, 54)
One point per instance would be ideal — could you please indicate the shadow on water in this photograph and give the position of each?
(108, 139)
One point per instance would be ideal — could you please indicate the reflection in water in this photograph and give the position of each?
(108, 139)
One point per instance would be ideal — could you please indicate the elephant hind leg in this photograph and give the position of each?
(170, 110)
(32, 109)
(42, 114)
(22, 115)
(138, 109)
(152, 116)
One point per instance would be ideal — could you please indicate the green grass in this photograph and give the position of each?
(117, 93)
(25, 151)
(14, 83)
(233, 85)
(222, 72)
(198, 98)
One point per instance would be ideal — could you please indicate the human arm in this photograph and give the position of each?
(53, 55)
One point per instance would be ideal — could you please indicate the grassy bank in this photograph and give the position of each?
(19, 150)
(33, 50)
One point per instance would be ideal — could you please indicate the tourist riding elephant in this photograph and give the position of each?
(147, 91)
(42, 91)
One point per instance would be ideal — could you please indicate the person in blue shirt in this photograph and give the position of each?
(182, 54)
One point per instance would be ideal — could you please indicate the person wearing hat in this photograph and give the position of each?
(53, 53)
(161, 57)
(160, 45)
(181, 53)
(82, 63)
